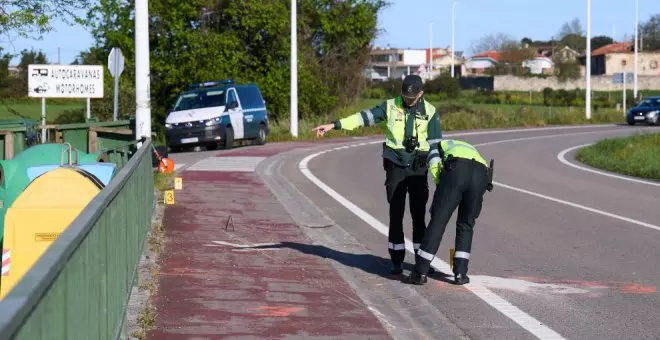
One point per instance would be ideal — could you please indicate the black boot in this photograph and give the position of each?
(461, 279)
(415, 278)
(397, 269)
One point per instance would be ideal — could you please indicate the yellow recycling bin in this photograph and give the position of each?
(38, 215)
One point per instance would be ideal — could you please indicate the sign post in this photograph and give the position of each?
(116, 66)
(63, 81)
(623, 78)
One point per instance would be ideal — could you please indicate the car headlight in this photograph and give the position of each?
(213, 121)
(168, 125)
(652, 113)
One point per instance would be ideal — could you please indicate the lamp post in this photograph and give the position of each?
(430, 48)
(142, 83)
(453, 19)
(294, 71)
(636, 44)
(587, 67)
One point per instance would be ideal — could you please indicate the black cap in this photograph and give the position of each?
(412, 85)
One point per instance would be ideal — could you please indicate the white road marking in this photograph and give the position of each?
(562, 158)
(230, 163)
(579, 206)
(179, 166)
(524, 286)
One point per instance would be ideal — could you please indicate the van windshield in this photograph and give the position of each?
(200, 100)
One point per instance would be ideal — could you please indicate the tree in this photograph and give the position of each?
(571, 28)
(600, 41)
(32, 18)
(496, 41)
(248, 41)
(526, 41)
(651, 33)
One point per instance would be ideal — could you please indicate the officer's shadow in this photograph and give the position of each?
(368, 263)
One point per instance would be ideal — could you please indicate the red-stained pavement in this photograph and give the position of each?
(211, 287)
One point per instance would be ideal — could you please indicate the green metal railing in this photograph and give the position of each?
(79, 288)
(17, 136)
(78, 134)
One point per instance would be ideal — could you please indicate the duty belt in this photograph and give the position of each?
(451, 161)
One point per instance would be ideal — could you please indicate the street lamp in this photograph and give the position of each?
(142, 83)
(636, 43)
(430, 48)
(587, 67)
(453, 19)
(294, 71)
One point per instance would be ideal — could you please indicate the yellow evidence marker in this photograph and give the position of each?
(169, 197)
(452, 251)
(178, 183)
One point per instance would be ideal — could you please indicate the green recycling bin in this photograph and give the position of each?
(14, 173)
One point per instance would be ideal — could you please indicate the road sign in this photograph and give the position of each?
(116, 66)
(617, 78)
(116, 62)
(65, 81)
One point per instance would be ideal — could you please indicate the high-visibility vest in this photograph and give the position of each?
(460, 149)
(396, 125)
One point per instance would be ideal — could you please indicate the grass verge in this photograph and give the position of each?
(637, 155)
(457, 116)
(144, 318)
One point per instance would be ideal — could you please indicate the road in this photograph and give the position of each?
(559, 252)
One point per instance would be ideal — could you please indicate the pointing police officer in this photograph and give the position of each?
(413, 131)
(462, 183)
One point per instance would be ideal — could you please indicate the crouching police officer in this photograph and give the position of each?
(413, 131)
(464, 179)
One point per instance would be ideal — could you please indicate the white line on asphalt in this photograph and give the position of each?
(562, 158)
(523, 319)
(580, 206)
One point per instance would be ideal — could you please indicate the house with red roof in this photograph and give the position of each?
(619, 57)
(479, 63)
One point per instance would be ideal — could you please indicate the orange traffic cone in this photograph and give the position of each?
(165, 165)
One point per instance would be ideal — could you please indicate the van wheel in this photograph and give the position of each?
(229, 138)
(261, 136)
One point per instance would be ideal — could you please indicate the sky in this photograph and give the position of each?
(405, 24)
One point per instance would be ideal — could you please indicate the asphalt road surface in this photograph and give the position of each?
(558, 251)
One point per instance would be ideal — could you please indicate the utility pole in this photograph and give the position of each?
(588, 63)
(453, 34)
(636, 44)
(430, 49)
(294, 71)
(142, 83)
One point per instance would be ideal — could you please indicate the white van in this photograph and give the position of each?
(216, 114)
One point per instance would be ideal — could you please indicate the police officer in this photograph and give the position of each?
(413, 131)
(464, 179)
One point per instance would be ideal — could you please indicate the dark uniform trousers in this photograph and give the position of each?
(400, 181)
(463, 183)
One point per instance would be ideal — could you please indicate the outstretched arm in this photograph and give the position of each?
(366, 117)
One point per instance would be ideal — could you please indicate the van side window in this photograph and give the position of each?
(231, 97)
(250, 97)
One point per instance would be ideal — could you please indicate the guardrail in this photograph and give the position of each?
(79, 288)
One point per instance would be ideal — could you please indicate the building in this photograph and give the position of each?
(539, 65)
(396, 62)
(479, 63)
(619, 57)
